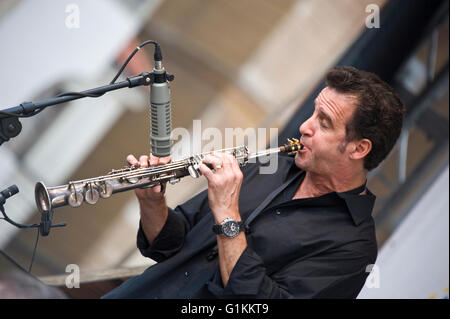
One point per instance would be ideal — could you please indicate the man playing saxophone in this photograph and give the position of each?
(305, 231)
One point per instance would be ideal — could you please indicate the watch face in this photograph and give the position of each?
(230, 228)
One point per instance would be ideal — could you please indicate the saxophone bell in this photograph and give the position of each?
(42, 198)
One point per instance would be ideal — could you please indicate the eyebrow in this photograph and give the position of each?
(325, 116)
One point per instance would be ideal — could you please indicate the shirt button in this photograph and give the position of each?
(278, 212)
(186, 274)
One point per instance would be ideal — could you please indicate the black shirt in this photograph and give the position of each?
(304, 248)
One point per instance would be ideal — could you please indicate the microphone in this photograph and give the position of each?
(160, 108)
(46, 216)
(7, 193)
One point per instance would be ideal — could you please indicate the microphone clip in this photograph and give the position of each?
(46, 223)
(46, 217)
(146, 78)
(160, 77)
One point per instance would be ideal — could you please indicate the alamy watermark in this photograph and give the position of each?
(72, 20)
(373, 280)
(73, 279)
(216, 139)
(373, 19)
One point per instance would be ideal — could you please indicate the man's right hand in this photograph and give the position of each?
(152, 203)
(153, 193)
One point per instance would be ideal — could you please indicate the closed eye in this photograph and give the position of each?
(323, 123)
(325, 120)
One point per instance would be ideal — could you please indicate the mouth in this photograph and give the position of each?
(303, 147)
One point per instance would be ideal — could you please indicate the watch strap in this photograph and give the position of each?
(217, 229)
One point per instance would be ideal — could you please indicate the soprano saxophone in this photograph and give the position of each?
(92, 189)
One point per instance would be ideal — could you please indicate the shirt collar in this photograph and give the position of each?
(359, 206)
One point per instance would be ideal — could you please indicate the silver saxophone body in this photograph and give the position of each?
(91, 190)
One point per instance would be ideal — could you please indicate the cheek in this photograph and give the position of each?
(327, 144)
(322, 139)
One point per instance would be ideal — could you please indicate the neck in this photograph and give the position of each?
(315, 185)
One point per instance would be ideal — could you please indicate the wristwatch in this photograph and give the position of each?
(228, 228)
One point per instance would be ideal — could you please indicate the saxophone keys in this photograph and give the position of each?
(131, 180)
(193, 171)
(105, 190)
(75, 199)
(173, 181)
(92, 195)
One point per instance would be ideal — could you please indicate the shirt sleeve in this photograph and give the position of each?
(168, 242)
(171, 237)
(333, 275)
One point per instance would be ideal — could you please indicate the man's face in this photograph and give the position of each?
(323, 134)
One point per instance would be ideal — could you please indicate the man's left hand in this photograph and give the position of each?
(224, 185)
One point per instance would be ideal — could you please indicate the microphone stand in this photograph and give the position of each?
(10, 127)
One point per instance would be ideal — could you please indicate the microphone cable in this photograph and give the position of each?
(157, 57)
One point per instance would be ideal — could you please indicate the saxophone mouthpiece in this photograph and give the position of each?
(292, 146)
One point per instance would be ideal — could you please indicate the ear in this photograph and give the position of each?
(360, 149)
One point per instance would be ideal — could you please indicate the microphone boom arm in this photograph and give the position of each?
(11, 127)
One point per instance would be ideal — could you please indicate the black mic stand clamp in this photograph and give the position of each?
(9, 128)
(46, 223)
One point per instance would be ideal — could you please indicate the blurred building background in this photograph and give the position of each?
(237, 64)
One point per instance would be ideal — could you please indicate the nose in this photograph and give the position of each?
(306, 128)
